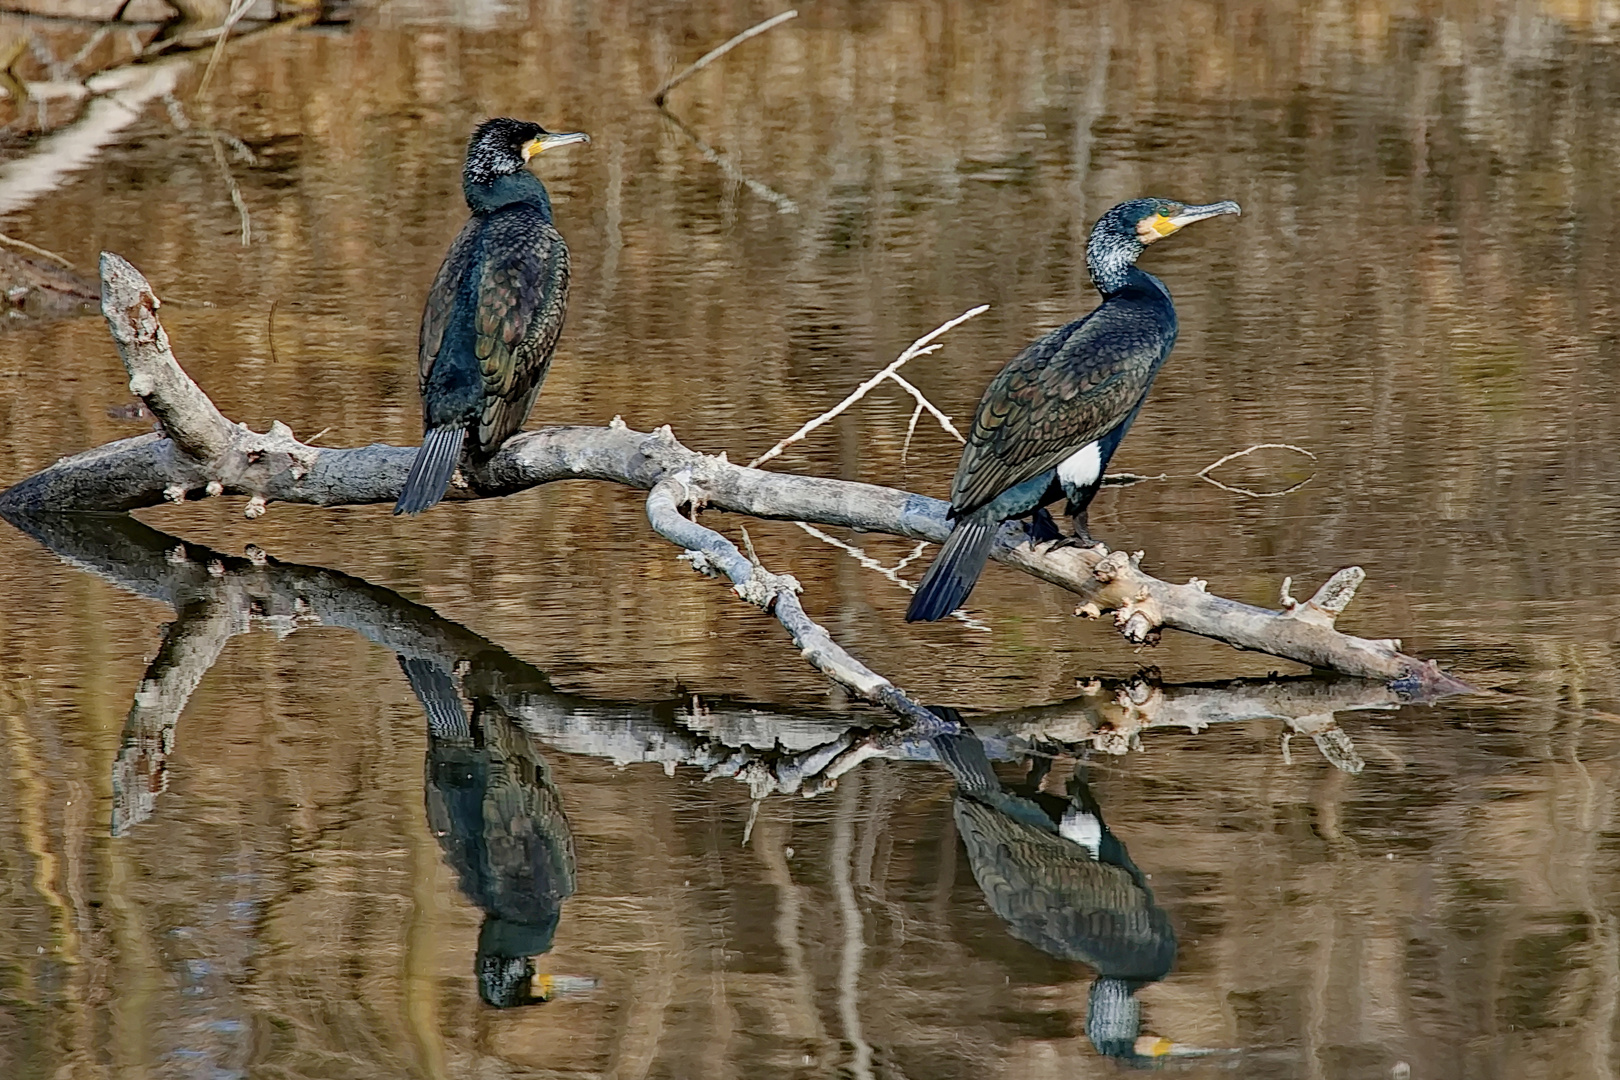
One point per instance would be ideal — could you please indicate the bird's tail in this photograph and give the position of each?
(956, 569)
(430, 472)
(436, 690)
(964, 756)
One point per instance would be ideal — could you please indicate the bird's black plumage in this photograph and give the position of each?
(494, 312)
(1055, 875)
(498, 816)
(1050, 420)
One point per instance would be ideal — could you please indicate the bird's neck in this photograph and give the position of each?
(519, 187)
(1112, 262)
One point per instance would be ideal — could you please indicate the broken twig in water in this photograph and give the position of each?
(716, 53)
(23, 245)
(1203, 474)
(917, 348)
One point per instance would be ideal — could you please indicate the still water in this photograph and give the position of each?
(301, 815)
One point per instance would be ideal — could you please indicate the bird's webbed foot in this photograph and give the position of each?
(1082, 535)
(1042, 529)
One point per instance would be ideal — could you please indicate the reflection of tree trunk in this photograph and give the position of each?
(804, 1019)
(216, 596)
(854, 928)
(190, 647)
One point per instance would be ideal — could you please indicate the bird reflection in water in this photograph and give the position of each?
(1052, 871)
(496, 813)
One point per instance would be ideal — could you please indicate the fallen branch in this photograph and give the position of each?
(202, 454)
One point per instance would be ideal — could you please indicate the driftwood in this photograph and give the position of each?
(200, 453)
(216, 597)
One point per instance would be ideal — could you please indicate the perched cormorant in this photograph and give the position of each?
(499, 818)
(494, 312)
(1048, 423)
(1060, 880)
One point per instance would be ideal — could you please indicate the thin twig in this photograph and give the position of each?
(270, 333)
(924, 403)
(892, 573)
(230, 183)
(238, 9)
(24, 245)
(916, 349)
(911, 429)
(1203, 474)
(714, 54)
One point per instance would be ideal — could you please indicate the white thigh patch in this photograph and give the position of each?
(1082, 468)
(1079, 827)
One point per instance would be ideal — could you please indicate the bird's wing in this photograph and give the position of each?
(441, 299)
(1069, 388)
(522, 294)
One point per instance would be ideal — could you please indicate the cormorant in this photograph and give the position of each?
(494, 312)
(499, 818)
(1048, 423)
(1060, 880)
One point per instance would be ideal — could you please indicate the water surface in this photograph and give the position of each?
(1419, 292)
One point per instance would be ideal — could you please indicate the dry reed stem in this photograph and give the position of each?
(917, 348)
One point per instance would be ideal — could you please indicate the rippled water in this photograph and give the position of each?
(299, 874)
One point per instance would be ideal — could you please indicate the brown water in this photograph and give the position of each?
(1420, 292)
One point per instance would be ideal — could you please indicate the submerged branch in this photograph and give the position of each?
(204, 454)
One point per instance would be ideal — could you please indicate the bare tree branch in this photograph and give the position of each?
(204, 454)
(920, 347)
(774, 594)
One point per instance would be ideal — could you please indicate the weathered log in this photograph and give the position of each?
(201, 454)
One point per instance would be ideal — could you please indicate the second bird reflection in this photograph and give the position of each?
(1060, 880)
(493, 808)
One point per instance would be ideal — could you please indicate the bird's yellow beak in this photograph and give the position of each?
(1161, 225)
(552, 139)
(552, 987)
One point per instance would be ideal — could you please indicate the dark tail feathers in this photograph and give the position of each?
(955, 571)
(964, 756)
(436, 690)
(430, 472)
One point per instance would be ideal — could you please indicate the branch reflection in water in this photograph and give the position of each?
(1047, 864)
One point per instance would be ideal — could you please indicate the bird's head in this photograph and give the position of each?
(502, 146)
(1125, 231)
(505, 965)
